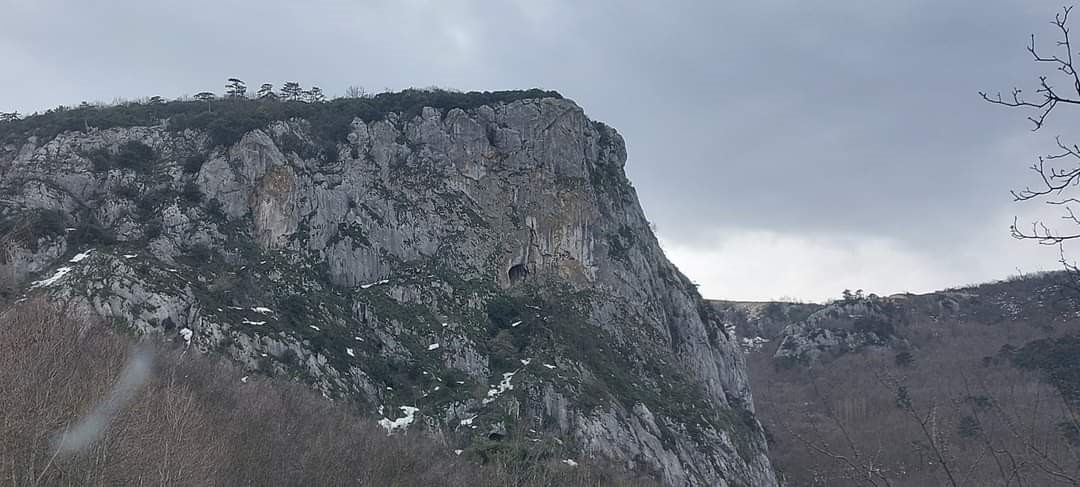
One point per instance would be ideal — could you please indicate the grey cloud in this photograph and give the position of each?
(841, 117)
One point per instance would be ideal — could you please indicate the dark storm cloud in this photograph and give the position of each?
(838, 118)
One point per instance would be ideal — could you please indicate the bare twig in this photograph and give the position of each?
(927, 424)
(1053, 180)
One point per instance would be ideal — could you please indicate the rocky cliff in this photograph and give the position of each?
(479, 267)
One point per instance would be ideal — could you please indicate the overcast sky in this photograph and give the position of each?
(783, 148)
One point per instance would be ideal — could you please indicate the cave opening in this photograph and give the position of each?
(518, 273)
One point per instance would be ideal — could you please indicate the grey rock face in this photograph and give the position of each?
(477, 264)
(805, 333)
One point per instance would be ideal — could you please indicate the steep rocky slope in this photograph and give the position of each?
(483, 270)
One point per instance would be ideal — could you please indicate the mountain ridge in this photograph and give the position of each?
(486, 270)
(971, 373)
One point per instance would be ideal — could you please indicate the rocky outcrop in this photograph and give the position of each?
(490, 267)
(804, 333)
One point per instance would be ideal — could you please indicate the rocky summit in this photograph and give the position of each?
(471, 264)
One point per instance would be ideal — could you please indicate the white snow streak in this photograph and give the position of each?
(400, 423)
(59, 274)
(376, 283)
(349, 351)
(262, 310)
(753, 344)
(186, 334)
(249, 322)
(503, 386)
(80, 257)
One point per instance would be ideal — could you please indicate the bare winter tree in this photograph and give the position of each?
(354, 91)
(1058, 171)
(7, 265)
(964, 437)
(200, 421)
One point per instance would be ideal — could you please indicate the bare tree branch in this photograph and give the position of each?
(1049, 97)
(1054, 180)
(927, 423)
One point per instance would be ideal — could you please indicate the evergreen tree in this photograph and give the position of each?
(291, 91)
(314, 95)
(206, 96)
(235, 88)
(266, 92)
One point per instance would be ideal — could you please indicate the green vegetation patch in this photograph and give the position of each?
(226, 120)
(29, 226)
(619, 244)
(1057, 359)
(132, 155)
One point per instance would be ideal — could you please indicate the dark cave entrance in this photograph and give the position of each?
(518, 273)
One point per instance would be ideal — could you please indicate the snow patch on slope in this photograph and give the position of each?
(59, 274)
(80, 257)
(503, 386)
(400, 423)
(376, 283)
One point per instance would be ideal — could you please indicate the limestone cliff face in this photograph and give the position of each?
(490, 266)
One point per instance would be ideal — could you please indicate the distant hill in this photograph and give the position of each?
(983, 380)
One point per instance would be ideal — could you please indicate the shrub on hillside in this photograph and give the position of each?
(227, 120)
(1058, 359)
(100, 159)
(191, 194)
(193, 163)
(28, 228)
(136, 156)
(89, 233)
